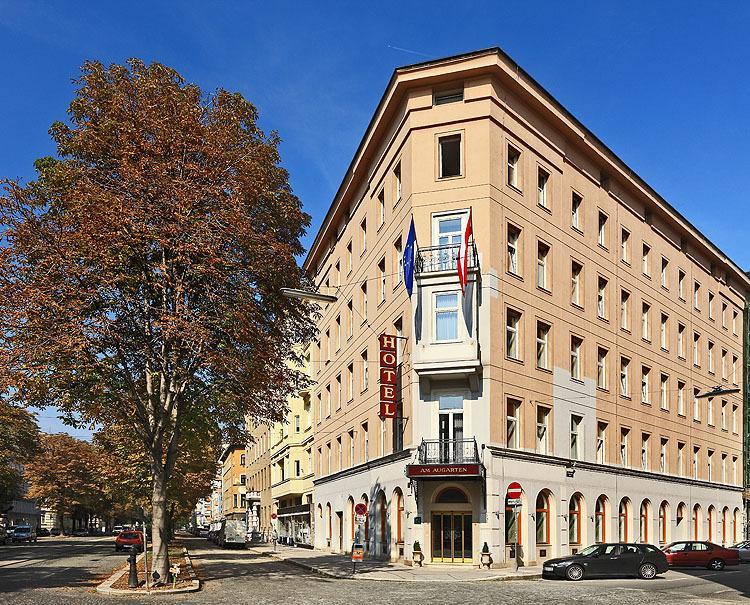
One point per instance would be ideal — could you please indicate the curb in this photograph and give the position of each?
(106, 586)
(328, 574)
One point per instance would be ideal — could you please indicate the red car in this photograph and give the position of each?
(126, 539)
(695, 553)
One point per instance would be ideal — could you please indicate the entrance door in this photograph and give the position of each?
(340, 516)
(451, 537)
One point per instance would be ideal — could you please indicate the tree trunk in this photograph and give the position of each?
(61, 521)
(159, 532)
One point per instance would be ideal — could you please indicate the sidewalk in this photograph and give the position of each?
(340, 566)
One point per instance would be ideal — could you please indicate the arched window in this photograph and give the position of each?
(574, 520)
(542, 518)
(451, 495)
(643, 525)
(735, 525)
(622, 520)
(351, 518)
(724, 522)
(600, 520)
(711, 510)
(696, 522)
(383, 516)
(329, 522)
(663, 522)
(512, 524)
(398, 497)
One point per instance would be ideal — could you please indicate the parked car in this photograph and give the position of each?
(3, 535)
(695, 553)
(55, 531)
(79, 533)
(42, 532)
(117, 529)
(232, 533)
(744, 549)
(126, 539)
(203, 532)
(23, 533)
(600, 560)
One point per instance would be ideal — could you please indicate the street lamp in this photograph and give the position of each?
(307, 295)
(717, 390)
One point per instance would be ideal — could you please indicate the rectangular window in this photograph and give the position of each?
(602, 236)
(349, 256)
(710, 305)
(624, 310)
(681, 341)
(383, 434)
(680, 398)
(710, 411)
(542, 188)
(724, 315)
(446, 316)
(363, 236)
(513, 334)
(576, 437)
(365, 442)
(297, 468)
(542, 345)
(601, 442)
(664, 392)
(625, 447)
(514, 264)
(448, 96)
(625, 246)
(601, 368)
(697, 295)
(398, 260)
(363, 301)
(365, 370)
(646, 268)
(542, 258)
(514, 158)
(576, 272)
(711, 367)
(646, 321)
(734, 369)
(625, 377)
(681, 284)
(542, 430)
(328, 400)
(513, 432)
(663, 332)
(664, 274)
(696, 405)
(645, 454)
(397, 182)
(337, 332)
(723, 364)
(645, 384)
(381, 280)
(663, 449)
(575, 357)
(696, 349)
(710, 465)
(350, 382)
(601, 298)
(449, 150)
(723, 418)
(680, 459)
(297, 426)
(350, 319)
(734, 418)
(339, 393)
(734, 322)
(575, 211)
(352, 445)
(381, 207)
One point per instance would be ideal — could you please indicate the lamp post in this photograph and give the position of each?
(716, 391)
(308, 295)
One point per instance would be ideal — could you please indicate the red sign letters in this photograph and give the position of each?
(388, 361)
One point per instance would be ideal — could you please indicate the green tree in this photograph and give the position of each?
(140, 274)
(19, 436)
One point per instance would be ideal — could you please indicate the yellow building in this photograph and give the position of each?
(233, 481)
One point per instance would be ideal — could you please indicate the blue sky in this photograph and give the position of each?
(663, 84)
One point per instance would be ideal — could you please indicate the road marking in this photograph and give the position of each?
(21, 562)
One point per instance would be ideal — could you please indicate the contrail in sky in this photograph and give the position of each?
(406, 50)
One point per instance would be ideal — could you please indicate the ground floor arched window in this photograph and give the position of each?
(574, 520)
(711, 516)
(663, 522)
(600, 520)
(643, 523)
(696, 522)
(622, 520)
(543, 518)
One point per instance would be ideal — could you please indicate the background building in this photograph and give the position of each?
(233, 481)
(595, 320)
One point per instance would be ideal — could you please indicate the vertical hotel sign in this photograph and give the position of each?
(388, 360)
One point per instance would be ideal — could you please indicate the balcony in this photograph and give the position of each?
(443, 258)
(441, 458)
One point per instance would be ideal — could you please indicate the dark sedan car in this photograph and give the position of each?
(600, 560)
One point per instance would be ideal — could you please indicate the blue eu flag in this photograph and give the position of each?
(409, 257)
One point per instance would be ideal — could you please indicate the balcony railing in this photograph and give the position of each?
(448, 451)
(443, 258)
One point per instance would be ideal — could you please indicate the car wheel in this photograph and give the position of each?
(647, 571)
(574, 572)
(716, 564)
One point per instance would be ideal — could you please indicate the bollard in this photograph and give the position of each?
(133, 577)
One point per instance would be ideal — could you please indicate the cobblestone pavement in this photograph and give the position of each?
(57, 572)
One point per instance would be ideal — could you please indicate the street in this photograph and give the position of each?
(56, 571)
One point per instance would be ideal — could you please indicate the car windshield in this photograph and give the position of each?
(589, 550)
(22, 528)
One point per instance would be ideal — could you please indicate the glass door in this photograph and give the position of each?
(451, 428)
(452, 537)
(448, 231)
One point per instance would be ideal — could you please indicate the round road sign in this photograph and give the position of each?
(514, 490)
(273, 515)
(360, 509)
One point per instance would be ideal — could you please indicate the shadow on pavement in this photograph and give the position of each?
(736, 577)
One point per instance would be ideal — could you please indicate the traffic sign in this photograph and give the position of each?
(360, 509)
(514, 491)
(513, 502)
(358, 553)
(274, 515)
(360, 519)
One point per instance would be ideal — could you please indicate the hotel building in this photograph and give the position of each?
(577, 362)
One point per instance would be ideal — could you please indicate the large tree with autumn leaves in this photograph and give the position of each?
(140, 273)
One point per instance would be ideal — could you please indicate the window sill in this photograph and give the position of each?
(545, 370)
(602, 389)
(577, 306)
(604, 319)
(646, 275)
(547, 209)
(628, 397)
(577, 229)
(665, 410)
(578, 380)
(514, 188)
(646, 403)
(664, 349)
(452, 177)
(625, 262)
(626, 330)
(665, 288)
(648, 340)
(603, 246)
(515, 275)
(681, 415)
(514, 360)
(543, 289)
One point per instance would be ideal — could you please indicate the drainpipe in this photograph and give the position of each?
(746, 415)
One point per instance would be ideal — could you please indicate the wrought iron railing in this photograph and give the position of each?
(294, 510)
(443, 258)
(448, 451)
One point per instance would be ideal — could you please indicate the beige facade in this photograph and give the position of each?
(233, 481)
(260, 500)
(594, 315)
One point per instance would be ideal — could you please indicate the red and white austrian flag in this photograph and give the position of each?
(463, 255)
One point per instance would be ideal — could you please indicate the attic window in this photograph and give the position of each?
(448, 96)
